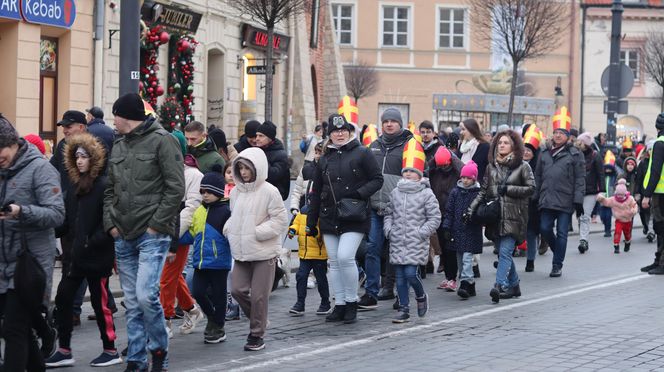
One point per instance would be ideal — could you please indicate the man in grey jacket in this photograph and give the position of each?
(143, 194)
(560, 181)
(32, 206)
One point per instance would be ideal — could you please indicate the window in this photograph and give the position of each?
(395, 26)
(342, 15)
(630, 57)
(451, 28)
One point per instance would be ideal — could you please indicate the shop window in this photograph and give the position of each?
(248, 81)
(48, 87)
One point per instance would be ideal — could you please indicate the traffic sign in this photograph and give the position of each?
(626, 80)
(259, 70)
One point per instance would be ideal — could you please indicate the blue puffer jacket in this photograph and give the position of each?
(210, 247)
(465, 237)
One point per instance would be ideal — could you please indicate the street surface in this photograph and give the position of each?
(602, 314)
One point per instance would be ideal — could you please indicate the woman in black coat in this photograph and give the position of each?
(346, 170)
(92, 251)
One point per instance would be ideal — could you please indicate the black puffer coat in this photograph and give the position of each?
(353, 173)
(594, 172)
(278, 173)
(520, 187)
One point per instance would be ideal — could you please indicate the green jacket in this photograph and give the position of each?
(206, 154)
(145, 182)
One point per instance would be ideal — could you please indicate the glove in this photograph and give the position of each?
(578, 207)
(447, 235)
(466, 218)
(291, 233)
(442, 157)
(502, 190)
(294, 211)
(311, 231)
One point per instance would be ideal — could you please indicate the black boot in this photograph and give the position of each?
(423, 271)
(463, 290)
(429, 268)
(495, 294)
(627, 246)
(616, 248)
(511, 292)
(337, 314)
(351, 313)
(583, 246)
(476, 271)
(659, 270)
(471, 289)
(395, 305)
(650, 237)
(653, 265)
(530, 266)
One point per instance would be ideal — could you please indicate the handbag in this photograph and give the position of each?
(29, 277)
(349, 209)
(488, 211)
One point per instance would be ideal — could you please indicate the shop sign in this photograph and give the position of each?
(172, 17)
(259, 70)
(10, 9)
(57, 13)
(493, 103)
(257, 38)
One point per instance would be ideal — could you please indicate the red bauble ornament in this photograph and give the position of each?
(159, 90)
(185, 45)
(150, 90)
(153, 83)
(163, 37)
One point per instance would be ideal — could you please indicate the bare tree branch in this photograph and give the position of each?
(361, 80)
(522, 29)
(652, 58)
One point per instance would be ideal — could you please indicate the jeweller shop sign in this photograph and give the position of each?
(56, 13)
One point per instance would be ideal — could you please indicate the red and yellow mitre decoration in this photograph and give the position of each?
(533, 137)
(348, 108)
(609, 159)
(369, 135)
(416, 132)
(413, 156)
(562, 120)
(149, 111)
(627, 144)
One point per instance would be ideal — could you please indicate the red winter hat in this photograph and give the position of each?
(37, 141)
(469, 170)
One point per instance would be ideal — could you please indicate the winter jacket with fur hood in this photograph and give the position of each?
(520, 187)
(34, 184)
(92, 249)
(411, 217)
(258, 219)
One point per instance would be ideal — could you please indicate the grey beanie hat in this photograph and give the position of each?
(392, 113)
(8, 134)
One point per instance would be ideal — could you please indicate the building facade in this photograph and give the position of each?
(431, 65)
(645, 99)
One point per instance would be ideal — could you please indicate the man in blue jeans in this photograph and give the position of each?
(388, 150)
(141, 202)
(560, 181)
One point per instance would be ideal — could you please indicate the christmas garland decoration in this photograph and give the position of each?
(181, 48)
(151, 39)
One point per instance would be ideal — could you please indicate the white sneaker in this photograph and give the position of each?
(191, 318)
(169, 328)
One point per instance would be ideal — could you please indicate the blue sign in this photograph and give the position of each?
(10, 9)
(58, 13)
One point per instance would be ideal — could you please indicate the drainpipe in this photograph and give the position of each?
(99, 53)
(288, 132)
(570, 78)
(583, 63)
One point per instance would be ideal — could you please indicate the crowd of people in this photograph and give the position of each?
(194, 225)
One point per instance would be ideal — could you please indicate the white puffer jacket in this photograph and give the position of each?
(192, 197)
(258, 217)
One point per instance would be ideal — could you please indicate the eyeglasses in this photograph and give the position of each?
(338, 121)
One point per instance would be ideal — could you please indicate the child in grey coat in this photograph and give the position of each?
(413, 215)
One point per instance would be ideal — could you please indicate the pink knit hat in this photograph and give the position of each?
(469, 170)
(621, 189)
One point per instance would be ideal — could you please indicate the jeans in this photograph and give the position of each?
(506, 275)
(465, 264)
(320, 272)
(214, 303)
(375, 242)
(532, 243)
(343, 270)
(408, 276)
(140, 262)
(558, 241)
(584, 220)
(605, 215)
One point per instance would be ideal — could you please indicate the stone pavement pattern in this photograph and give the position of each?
(602, 314)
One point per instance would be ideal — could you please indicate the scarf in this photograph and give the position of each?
(390, 140)
(621, 198)
(468, 149)
(504, 160)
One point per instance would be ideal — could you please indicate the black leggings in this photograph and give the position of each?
(447, 257)
(64, 302)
